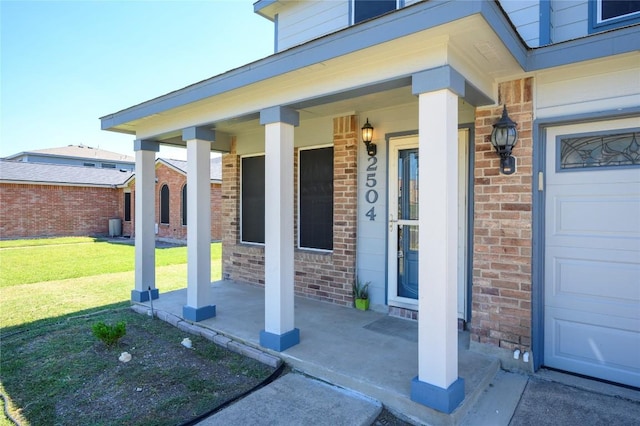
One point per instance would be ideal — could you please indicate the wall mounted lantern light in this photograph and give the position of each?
(367, 135)
(503, 138)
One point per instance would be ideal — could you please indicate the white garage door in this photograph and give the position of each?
(592, 250)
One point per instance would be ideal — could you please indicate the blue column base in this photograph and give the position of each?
(444, 400)
(279, 342)
(198, 314)
(143, 296)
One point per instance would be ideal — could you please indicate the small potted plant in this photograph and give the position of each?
(361, 294)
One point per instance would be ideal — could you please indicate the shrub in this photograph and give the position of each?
(109, 334)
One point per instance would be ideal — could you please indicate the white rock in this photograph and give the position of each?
(125, 357)
(186, 342)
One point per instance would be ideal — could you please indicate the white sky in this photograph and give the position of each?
(63, 65)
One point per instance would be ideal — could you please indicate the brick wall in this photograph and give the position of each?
(28, 211)
(501, 300)
(175, 230)
(175, 180)
(322, 276)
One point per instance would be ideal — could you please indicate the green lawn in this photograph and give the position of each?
(46, 279)
(53, 290)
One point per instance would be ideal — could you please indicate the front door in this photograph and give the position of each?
(403, 223)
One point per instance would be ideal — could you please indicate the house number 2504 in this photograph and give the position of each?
(371, 196)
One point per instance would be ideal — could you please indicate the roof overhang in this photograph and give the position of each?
(359, 67)
(51, 183)
(267, 8)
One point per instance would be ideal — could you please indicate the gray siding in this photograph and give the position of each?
(569, 19)
(302, 21)
(525, 15)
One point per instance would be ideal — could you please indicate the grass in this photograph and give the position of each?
(55, 371)
(51, 280)
(46, 241)
(34, 261)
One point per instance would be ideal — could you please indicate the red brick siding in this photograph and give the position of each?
(127, 226)
(175, 181)
(322, 276)
(501, 300)
(28, 211)
(175, 230)
(216, 215)
(50, 211)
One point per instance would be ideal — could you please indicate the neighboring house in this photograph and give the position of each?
(171, 201)
(77, 155)
(545, 259)
(47, 200)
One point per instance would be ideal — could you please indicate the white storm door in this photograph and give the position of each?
(403, 223)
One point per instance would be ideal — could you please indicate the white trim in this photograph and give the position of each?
(599, 19)
(463, 220)
(395, 144)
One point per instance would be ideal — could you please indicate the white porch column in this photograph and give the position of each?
(279, 332)
(145, 238)
(437, 384)
(199, 296)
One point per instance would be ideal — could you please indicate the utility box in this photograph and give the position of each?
(115, 227)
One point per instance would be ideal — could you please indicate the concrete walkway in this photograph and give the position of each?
(295, 399)
(349, 363)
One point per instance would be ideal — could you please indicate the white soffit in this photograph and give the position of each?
(468, 44)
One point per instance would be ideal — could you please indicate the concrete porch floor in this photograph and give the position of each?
(367, 352)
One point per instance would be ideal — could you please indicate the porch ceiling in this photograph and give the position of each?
(371, 78)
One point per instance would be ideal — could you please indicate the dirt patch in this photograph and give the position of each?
(63, 375)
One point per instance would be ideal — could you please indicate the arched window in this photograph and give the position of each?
(184, 205)
(164, 204)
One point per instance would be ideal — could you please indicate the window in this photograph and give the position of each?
(252, 199)
(127, 207)
(367, 9)
(88, 164)
(609, 14)
(184, 205)
(108, 166)
(164, 204)
(316, 198)
(599, 150)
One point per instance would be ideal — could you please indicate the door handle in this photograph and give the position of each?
(391, 222)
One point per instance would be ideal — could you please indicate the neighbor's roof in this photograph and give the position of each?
(181, 166)
(77, 151)
(57, 174)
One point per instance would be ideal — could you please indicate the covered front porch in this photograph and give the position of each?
(368, 352)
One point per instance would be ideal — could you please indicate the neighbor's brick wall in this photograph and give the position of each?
(175, 230)
(501, 300)
(167, 176)
(322, 276)
(28, 211)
